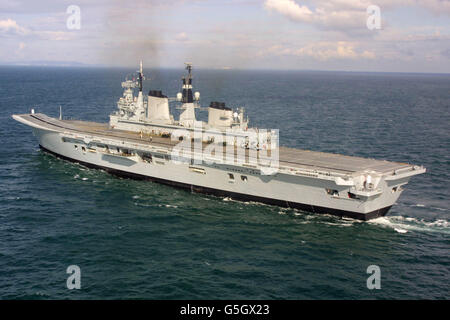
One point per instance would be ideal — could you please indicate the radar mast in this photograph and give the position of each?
(187, 96)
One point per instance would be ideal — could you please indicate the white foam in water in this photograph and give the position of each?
(438, 223)
(440, 209)
(404, 224)
(339, 224)
(136, 197)
(84, 179)
(145, 205)
(12, 198)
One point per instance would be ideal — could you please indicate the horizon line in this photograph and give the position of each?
(79, 65)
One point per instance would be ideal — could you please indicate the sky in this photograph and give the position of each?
(411, 36)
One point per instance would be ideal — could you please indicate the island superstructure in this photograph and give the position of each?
(153, 115)
(223, 156)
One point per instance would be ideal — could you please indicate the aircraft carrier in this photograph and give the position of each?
(223, 156)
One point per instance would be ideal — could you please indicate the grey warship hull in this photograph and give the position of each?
(311, 181)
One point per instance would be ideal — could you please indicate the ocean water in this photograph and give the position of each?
(141, 240)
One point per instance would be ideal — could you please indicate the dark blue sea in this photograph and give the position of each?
(142, 240)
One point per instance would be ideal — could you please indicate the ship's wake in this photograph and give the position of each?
(403, 224)
(398, 223)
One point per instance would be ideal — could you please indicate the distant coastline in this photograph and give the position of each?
(75, 64)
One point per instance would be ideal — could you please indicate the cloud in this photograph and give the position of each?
(316, 34)
(290, 9)
(436, 6)
(345, 15)
(182, 36)
(322, 51)
(414, 34)
(334, 14)
(10, 27)
(54, 35)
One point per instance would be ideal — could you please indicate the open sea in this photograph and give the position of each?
(142, 240)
